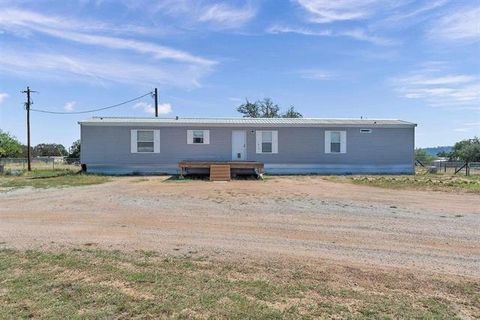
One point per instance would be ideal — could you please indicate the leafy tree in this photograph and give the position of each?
(422, 156)
(292, 113)
(467, 150)
(266, 108)
(444, 154)
(49, 150)
(269, 109)
(74, 151)
(9, 146)
(249, 109)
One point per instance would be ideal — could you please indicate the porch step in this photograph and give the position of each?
(220, 172)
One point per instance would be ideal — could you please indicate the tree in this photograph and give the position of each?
(269, 109)
(422, 156)
(49, 150)
(444, 154)
(9, 146)
(74, 151)
(249, 109)
(266, 108)
(467, 150)
(292, 113)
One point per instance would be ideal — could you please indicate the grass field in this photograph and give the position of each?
(86, 283)
(434, 182)
(50, 179)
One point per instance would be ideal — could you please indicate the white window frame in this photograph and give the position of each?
(134, 141)
(343, 141)
(206, 137)
(259, 141)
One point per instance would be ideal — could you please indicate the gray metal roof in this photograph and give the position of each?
(256, 122)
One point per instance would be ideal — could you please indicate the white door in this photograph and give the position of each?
(239, 145)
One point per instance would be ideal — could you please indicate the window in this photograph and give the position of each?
(267, 141)
(198, 136)
(365, 130)
(335, 142)
(145, 141)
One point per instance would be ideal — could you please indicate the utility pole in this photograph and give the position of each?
(27, 107)
(156, 102)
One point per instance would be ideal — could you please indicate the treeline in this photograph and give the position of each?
(467, 150)
(10, 147)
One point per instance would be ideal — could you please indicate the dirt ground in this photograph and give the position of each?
(296, 218)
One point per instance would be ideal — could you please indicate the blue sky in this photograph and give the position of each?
(412, 60)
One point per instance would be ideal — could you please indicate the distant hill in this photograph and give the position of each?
(433, 151)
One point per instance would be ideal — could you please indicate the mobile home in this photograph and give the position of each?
(283, 145)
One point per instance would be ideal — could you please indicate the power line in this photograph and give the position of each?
(93, 110)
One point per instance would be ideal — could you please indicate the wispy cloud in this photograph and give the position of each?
(99, 69)
(221, 15)
(57, 27)
(327, 11)
(3, 96)
(315, 74)
(163, 108)
(461, 25)
(438, 88)
(227, 16)
(356, 34)
(69, 106)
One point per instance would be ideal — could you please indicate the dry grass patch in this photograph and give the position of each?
(49, 179)
(85, 283)
(430, 182)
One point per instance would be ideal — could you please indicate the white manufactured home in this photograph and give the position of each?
(282, 145)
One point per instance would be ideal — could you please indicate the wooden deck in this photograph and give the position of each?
(221, 170)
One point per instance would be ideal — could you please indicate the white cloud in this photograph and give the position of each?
(235, 99)
(357, 34)
(13, 19)
(163, 108)
(461, 25)
(461, 129)
(69, 106)
(315, 74)
(100, 69)
(227, 16)
(438, 88)
(220, 15)
(3, 96)
(326, 11)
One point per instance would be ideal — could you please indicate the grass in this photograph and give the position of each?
(435, 182)
(90, 283)
(49, 179)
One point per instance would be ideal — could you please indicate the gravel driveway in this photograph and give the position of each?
(305, 218)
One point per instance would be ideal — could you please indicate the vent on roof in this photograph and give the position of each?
(365, 130)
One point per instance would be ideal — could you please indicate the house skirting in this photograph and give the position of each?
(339, 169)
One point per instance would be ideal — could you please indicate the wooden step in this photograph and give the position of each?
(220, 172)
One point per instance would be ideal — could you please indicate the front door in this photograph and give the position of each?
(239, 145)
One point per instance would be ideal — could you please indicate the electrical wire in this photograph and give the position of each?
(93, 110)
